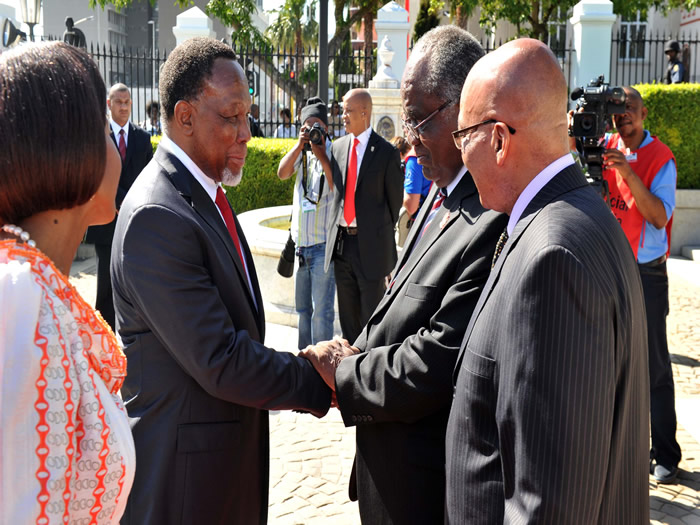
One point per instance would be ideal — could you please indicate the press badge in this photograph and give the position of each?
(632, 157)
(307, 206)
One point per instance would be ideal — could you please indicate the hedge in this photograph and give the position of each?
(674, 117)
(260, 186)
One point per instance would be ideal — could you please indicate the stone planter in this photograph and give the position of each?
(266, 244)
(686, 221)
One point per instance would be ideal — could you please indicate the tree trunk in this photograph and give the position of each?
(369, 44)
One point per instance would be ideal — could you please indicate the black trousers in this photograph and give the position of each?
(665, 448)
(103, 299)
(357, 296)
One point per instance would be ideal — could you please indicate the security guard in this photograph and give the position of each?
(675, 71)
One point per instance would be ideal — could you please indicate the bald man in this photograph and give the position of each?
(549, 422)
(367, 175)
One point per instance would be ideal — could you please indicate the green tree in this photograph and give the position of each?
(293, 29)
(425, 21)
(531, 17)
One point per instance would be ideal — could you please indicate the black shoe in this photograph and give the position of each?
(665, 475)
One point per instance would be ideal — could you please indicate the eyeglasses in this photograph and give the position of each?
(414, 130)
(461, 134)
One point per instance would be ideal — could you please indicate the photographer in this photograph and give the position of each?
(641, 174)
(313, 195)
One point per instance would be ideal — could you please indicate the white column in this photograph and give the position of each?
(392, 21)
(191, 23)
(592, 22)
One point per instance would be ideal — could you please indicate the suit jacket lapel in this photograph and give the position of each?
(130, 145)
(366, 158)
(568, 179)
(444, 218)
(201, 203)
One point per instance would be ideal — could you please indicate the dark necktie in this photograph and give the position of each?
(225, 209)
(350, 183)
(502, 240)
(122, 145)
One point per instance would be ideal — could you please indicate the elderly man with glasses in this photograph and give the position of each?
(397, 391)
(550, 417)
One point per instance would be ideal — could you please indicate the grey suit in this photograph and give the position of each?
(398, 392)
(550, 418)
(198, 377)
(370, 255)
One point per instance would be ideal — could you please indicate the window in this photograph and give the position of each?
(556, 37)
(633, 32)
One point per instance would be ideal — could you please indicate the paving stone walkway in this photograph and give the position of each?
(310, 459)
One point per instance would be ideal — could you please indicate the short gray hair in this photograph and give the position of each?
(451, 52)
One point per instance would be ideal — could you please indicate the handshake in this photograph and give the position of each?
(326, 356)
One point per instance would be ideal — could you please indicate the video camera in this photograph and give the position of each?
(596, 104)
(317, 135)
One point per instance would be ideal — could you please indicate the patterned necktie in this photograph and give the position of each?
(502, 240)
(225, 209)
(350, 183)
(439, 199)
(122, 145)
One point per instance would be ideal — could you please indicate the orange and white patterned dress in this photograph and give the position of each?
(66, 451)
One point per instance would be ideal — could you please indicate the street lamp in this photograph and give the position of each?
(31, 11)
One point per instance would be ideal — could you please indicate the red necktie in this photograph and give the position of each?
(350, 182)
(122, 145)
(225, 209)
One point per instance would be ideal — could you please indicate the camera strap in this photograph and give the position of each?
(305, 182)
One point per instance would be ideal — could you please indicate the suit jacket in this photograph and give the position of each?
(199, 379)
(550, 421)
(398, 392)
(378, 197)
(138, 153)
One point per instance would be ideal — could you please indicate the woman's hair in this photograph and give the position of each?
(52, 129)
(402, 145)
(285, 111)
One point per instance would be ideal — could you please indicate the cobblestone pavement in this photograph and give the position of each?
(310, 459)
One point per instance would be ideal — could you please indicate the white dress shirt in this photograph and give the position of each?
(115, 129)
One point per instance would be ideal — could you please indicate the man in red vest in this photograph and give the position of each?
(641, 173)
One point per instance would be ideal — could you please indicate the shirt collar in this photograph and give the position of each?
(364, 136)
(536, 184)
(206, 182)
(116, 127)
(452, 185)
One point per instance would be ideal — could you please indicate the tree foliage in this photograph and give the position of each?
(532, 17)
(425, 21)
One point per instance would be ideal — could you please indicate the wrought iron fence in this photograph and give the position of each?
(641, 59)
(284, 79)
(279, 78)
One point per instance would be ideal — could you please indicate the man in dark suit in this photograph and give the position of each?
(134, 145)
(190, 313)
(550, 418)
(398, 390)
(368, 180)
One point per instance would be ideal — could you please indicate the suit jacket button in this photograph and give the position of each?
(369, 418)
(354, 419)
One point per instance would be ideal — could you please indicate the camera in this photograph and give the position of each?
(596, 104)
(317, 135)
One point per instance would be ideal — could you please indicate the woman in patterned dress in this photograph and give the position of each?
(66, 451)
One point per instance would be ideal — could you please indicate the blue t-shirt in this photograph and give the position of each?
(414, 181)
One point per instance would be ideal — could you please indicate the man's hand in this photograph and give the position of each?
(326, 356)
(616, 160)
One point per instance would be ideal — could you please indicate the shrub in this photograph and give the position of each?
(674, 117)
(260, 187)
